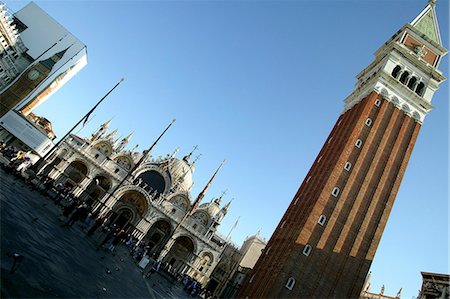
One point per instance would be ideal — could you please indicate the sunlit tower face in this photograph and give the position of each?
(325, 243)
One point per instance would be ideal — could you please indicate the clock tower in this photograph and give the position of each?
(325, 242)
(27, 82)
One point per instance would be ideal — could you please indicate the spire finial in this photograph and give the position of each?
(175, 152)
(227, 206)
(186, 158)
(129, 136)
(223, 193)
(432, 2)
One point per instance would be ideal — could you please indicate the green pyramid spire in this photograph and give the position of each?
(426, 23)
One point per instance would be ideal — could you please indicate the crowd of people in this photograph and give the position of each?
(76, 212)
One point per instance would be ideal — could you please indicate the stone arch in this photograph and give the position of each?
(384, 92)
(49, 167)
(135, 199)
(97, 188)
(124, 161)
(204, 264)
(124, 217)
(412, 83)
(406, 108)
(153, 179)
(396, 71)
(416, 116)
(420, 89)
(202, 217)
(395, 101)
(180, 253)
(103, 147)
(181, 201)
(404, 77)
(158, 235)
(76, 171)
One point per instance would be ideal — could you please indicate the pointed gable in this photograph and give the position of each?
(426, 23)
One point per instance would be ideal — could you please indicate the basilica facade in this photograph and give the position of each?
(151, 201)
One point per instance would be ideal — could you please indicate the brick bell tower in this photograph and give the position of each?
(325, 243)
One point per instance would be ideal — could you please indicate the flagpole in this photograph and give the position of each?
(234, 226)
(85, 123)
(136, 166)
(85, 117)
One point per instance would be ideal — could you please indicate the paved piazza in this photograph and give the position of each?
(62, 262)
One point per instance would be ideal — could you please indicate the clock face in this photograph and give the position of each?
(33, 75)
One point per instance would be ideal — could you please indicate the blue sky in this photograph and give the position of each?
(260, 83)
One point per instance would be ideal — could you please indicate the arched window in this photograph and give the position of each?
(358, 143)
(322, 220)
(335, 192)
(396, 71)
(420, 88)
(290, 283)
(347, 166)
(96, 156)
(307, 250)
(368, 122)
(117, 170)
(378, 102)
(412, 83)
(404, 77)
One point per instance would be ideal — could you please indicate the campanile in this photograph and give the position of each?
(325, 243)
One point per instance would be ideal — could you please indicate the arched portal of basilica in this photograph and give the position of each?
(180, 254)
(122, 218)
(97, 188)
(129, 209)
(157, 236)
(75, 173)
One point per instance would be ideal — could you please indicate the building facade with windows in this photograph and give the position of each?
(228, 276)
(325, 242)
(434, 286)
(150, 204)
(37, 57)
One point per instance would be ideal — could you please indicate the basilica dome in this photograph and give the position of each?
(181, 173)
(212, 207)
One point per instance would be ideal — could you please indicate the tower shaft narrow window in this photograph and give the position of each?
(348, 166)
(307, 250)
(290, 283)
(322, 220)
(335, 192)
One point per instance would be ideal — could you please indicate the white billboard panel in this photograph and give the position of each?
(24, 130)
